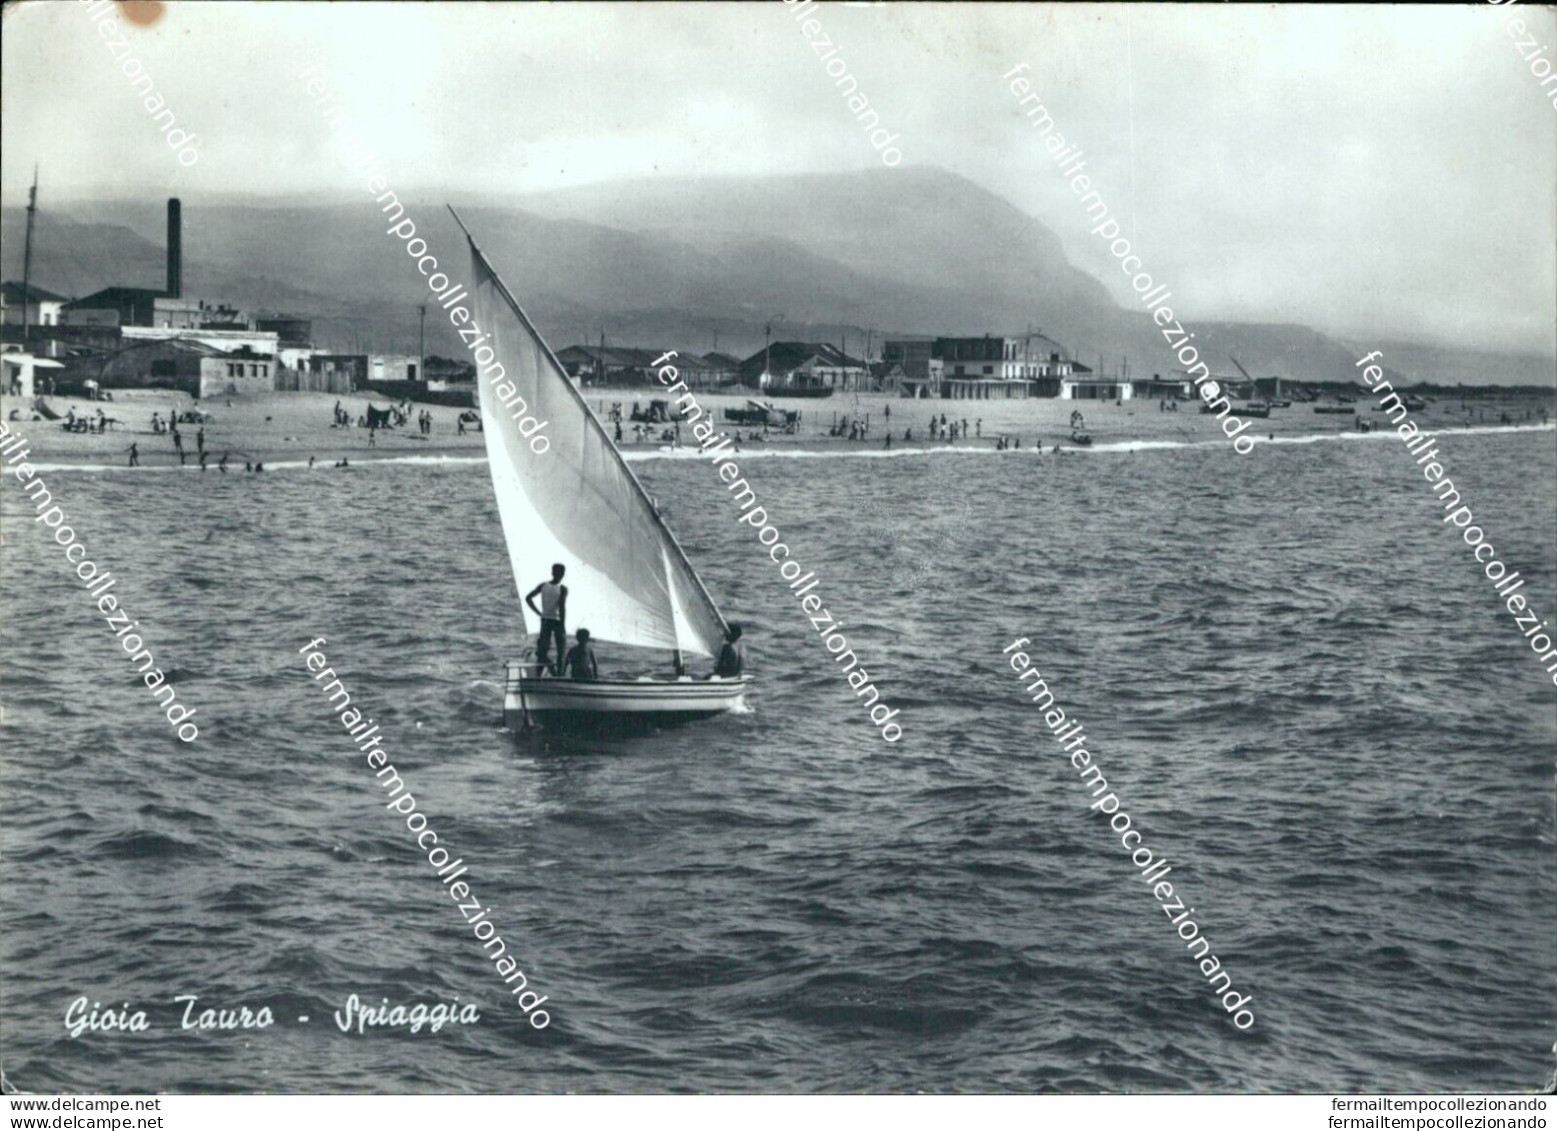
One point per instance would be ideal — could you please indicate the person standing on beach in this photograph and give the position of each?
(135, 455)
(202, 461)
(553, 612)
(222, 464)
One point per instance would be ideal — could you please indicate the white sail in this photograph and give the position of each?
(574, 500)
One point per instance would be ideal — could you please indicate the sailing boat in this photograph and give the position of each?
(1255, 408)
(574, 500)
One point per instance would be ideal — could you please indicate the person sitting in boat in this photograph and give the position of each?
(580, 663)
(553, 612)
(732, 657)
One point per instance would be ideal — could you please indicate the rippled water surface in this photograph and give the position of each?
(1296, 679)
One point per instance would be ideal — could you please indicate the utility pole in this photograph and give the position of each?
(421, 345)
(32, 210)
(767, 349)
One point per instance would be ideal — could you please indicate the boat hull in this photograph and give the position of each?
(531, 699)
(803, 393)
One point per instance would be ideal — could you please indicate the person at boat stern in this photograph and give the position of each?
(553, 612)
(580, 663)
(732, 657)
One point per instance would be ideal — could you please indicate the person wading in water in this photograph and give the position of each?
(553, 612)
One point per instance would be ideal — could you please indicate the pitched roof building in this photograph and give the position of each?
(41, 308)
(129, 306)
(630, 365)
(804, 367)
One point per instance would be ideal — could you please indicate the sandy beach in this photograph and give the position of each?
(288, 428)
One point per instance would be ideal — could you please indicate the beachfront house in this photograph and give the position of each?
(804, 368)
(242, 371)
(722, 369)
(1159, 389)
(1082, 384)
(633, 366)
(1013, 366)
(41, 308)
(912, 368)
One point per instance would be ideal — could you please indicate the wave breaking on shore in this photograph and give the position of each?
(751, 453)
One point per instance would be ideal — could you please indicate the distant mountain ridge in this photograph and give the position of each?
(694, 264)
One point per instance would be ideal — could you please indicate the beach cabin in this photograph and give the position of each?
(19, 373)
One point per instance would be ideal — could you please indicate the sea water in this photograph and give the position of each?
(1289, 667)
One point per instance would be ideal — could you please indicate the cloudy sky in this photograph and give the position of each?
(1373, 171)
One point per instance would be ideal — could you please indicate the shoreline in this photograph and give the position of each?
(282, 430)
(801, 450)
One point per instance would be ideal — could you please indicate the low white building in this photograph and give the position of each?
(42, 307)
(394, 367)
(1075, 388)
(232, 374)
(19, 369)
(295, 357)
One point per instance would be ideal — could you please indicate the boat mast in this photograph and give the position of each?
(1254, 386)
(593, 420)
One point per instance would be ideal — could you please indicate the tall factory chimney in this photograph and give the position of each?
(175, 249)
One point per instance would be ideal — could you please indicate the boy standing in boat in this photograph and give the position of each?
(553, 612)
(732, 657)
